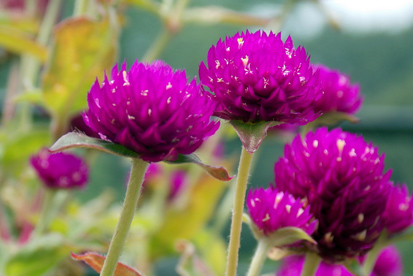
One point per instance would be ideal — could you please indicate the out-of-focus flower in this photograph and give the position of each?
(177, 183)
(399, 210)
(388, 264)
(341, 177)
(257, 77)
(19, 6)
(60, 170)
(338, 93)
(270, 210)
(151, 110)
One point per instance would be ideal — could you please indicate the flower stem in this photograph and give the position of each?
(236, 225)
(312, 260)
(259, 257)
(157, 46)
(45, 213)
(139, 168)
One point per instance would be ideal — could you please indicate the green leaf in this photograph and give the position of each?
(84, 49)
(251, 135)
(289, 235)
(96, 261)
(78, 140)
(216, 171)
(19, 42)
(38, 257)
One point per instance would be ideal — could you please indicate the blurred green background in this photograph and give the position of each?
(380, 61)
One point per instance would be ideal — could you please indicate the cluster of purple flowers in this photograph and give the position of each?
(331, 184)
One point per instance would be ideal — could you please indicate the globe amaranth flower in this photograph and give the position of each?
(257, 77)
(60, 170)
(341, 177)
(151, 110)
(399, 210)
(388, 264)
(338, 93)
(271, 209)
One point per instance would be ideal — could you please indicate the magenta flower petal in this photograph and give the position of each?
(342, 178)
(151, 110)
(399, 210)
(388, 264)
(338, 93)
(60, 170)
(270, 210)
(257, 77)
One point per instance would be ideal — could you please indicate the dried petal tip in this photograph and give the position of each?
(257, 77)
(151, 110)
(342, 178)
(339, 95)
(60, 170)
(399, 210)
(270, 210)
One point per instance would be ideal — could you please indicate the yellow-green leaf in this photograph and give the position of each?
(19, 42)
(83, 50)
(185, 223)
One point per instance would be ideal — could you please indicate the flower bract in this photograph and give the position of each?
(257, 77)
(60, 170)
(152, 110)
(342, 178)
(338, 92)
(271, 209)
(399, 210)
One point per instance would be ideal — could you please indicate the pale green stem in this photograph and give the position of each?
(260, 256)
(157, 46)
(32, 65)
(371, 258)
(312, 261)
(81, 7)
(236, 225)
(45, 214)
(137, 175)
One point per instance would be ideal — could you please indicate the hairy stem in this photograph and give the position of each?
(137, 175)
(236, 225)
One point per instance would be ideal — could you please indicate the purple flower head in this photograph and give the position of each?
(271, 209)
(60, 170)
(342, 178)
(257, 77)
(151, 110)
(338, 93)
(388, 264)
(399, 210)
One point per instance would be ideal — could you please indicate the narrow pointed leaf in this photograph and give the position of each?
(79, 140)
(289, 235)
(216, 171)
(96, 261)
(251, 135)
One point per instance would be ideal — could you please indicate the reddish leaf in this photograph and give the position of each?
(96, 261)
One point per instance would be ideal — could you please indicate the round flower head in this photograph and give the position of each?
(270, 210)
(60, 170)
(342, 178)
(399, 210)
(338, 93)
(151, 110)
(257, 77)
(388, 264)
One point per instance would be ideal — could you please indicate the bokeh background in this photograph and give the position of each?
(369, 40)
